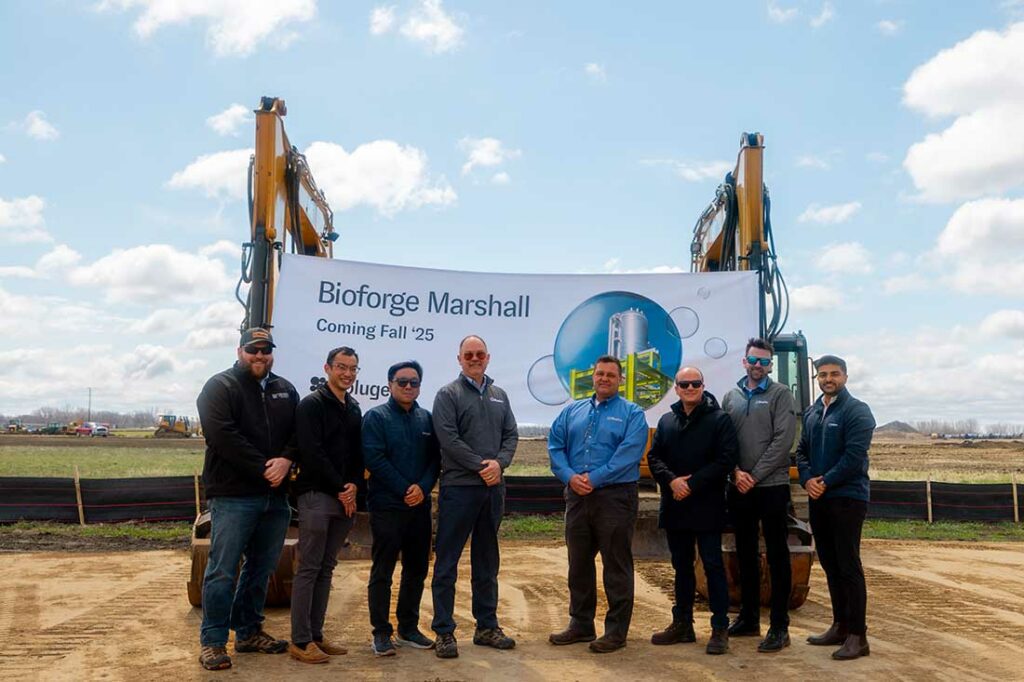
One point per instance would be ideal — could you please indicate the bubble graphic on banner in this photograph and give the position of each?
(684, 321)
(716, 347)
(704, 293)
(542, 381)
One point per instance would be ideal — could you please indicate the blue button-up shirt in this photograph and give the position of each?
(761, 386)
(603, 439)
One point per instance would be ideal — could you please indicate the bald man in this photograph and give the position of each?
(694, 449)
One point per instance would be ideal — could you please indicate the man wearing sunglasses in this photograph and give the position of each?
(694, 450)
(595, 446)
(248, 417)
(401, 453)
(832, 458)
(328, 422)
(764, 415)
(478, 436)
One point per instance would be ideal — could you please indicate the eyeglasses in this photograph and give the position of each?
(348, 369)
(259, 350)
(403, 382)
(479, 355)
(764, 362)
(697, 383)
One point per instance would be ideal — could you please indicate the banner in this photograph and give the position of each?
(543, 331)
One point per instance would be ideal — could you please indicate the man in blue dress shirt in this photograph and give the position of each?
(595, 447)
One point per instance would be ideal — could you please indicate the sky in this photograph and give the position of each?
(513, 137)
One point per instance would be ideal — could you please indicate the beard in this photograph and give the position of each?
(257, 369)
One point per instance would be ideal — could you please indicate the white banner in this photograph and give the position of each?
(543, 331)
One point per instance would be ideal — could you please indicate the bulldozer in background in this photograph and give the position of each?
(173, 426)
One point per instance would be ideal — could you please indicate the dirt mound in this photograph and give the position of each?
(896, 427)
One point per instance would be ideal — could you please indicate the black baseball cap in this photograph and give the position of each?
(256, 335)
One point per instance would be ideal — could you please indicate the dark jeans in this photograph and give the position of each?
(681, 545)
(250, 528)
(464, 510)
(323, 527)
(767, 507)
(836, 523)
(405, 532)
(602, 521)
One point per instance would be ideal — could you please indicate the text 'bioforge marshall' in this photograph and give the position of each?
(398, 303)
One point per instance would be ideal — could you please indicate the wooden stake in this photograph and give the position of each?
(928, 492)
(1016, 506)
(195, 480)
(78, 495)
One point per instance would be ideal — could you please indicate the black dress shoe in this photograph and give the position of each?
(855, 646)
(679, 632)
(571, 635)
(719, 642)
(777, 639)
(606, 644)
(836, 634)
(744, 627)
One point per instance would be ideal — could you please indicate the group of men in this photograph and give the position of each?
(262, 440)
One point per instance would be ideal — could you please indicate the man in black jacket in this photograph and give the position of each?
(693, 452)
(330, 470)
(248, 417)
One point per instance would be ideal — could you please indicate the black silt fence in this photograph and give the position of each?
(906, 500)
(972, 501)
(167, 498)
(534, 495)
(38, 499)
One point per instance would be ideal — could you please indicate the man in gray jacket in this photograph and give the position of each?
(764, 415)
(477, 433)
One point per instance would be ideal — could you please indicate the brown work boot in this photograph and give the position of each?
(836, 634)
(571, 635)
(855, 646)
(330, 648)
(719, 642)
(679, 632)
(605, 644)
(214, 658)
(311, 653)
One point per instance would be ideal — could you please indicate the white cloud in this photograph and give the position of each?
(36, 126)
(826, 15)
(3, 159)
(694, 171)
(811, 161)
(222, 247)
(431, 26)
(233, 27)
(849, 258)
(218, 175)
(1009, 323)
(231, 120)
(21, 220)
(613, 266)
(595, 72)
(485, 152)
(876, 157)
(154, 273)
(781, 15)
(382, 174)
(206, 339)
(834, 214)
(382, 20)
(905, 283)
(980, 82)
(815, 298)
(889, 27)
(17, 271)
(159, 321)
(501, 178)
(980, 246)
(57, 261)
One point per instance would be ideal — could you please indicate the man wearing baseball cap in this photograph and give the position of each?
(248, 417)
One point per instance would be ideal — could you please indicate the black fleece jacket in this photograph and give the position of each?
(330, 445)
(701, 445)
(244, 425)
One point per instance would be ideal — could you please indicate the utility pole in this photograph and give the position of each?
(89, 417)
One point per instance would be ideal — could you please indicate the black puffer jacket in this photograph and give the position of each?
(701, 445)
(244, 426)
(330, 443)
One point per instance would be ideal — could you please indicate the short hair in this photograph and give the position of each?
(471, 336)
(609, 359)
(404, 364)
(830, 360)
(342, 350)
(760, 344)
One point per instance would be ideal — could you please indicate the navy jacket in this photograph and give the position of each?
(400, 448)
(330, 450)
(836, 446)
(702, 445)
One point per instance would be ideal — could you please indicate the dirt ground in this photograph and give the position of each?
(935, 611)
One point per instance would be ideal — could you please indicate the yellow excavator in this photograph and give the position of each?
(173, 426)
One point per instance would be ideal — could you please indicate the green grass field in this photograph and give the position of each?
(99, 462)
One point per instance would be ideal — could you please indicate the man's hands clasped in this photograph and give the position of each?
(744, 482)
(491, 473)
(815, 487)
(347, 497)
(276, 469)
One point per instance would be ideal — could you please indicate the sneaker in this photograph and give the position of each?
(311, 653)
(446, 646)
(415, 639)
(214, 658)
(493, 637)
(383, 646)
(330, 648)
(262, 643)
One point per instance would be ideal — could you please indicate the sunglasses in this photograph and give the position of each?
(479, 355)
(259, 350)
(697, 383)
(764, 362)
(403, 382)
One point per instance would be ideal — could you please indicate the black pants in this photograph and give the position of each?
(602, 521)
(836, 523)
(464, 510)
(681, 544)
(405, 532)
(767, 507)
